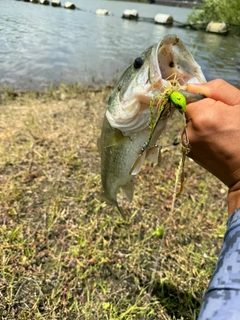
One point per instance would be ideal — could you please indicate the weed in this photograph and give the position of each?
(64, 254)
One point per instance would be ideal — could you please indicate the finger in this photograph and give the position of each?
(218, 90)
(202, 108)
(207, 113)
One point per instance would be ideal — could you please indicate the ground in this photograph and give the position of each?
(64, 253)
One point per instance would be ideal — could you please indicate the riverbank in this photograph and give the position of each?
(171, 3)
(179, 3)
(65, 253)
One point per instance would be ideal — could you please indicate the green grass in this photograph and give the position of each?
(65, 254)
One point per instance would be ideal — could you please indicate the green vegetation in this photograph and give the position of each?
(65, 254)
(218, 11)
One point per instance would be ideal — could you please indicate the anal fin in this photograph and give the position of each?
(128, 190)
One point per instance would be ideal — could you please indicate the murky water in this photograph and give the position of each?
(40, 45)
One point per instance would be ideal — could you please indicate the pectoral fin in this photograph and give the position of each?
(114, 138)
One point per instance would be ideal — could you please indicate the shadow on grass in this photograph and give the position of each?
(175, 301)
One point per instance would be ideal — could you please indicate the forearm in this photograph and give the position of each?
(222, 299)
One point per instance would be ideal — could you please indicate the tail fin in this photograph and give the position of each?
(113, 202)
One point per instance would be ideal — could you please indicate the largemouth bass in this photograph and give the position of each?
(141, 96)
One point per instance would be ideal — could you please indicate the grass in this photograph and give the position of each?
(65, 254)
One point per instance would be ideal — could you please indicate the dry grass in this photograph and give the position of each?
(64, 254)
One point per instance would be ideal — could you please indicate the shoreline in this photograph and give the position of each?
(51, 87)
(59, 92)
(52, 90)
(175, 3)
(170, 3)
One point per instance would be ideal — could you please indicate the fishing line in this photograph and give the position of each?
(157, 264)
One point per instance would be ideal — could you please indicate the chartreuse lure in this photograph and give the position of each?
(179, 101)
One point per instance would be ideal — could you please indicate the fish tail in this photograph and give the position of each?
(114, 203)
(121, 211)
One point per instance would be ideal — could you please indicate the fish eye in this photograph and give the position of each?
(138, 63)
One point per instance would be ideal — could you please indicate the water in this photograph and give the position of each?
(40, 45)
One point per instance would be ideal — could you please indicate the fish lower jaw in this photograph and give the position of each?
(132, 125)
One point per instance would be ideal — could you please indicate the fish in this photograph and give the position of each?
(137, 113)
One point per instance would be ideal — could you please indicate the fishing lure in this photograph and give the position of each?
(165, 100)
(179, 101)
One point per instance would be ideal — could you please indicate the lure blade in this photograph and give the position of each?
(138, 163)
(154, 154)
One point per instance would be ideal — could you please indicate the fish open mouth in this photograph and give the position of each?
(176, 64)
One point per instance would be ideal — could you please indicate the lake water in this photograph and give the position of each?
(40, 45)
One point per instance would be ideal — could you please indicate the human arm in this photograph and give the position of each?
(214, 134)
(222, 298)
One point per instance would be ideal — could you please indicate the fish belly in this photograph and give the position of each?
(117, 158)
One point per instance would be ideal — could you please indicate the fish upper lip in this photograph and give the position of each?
(156, 77)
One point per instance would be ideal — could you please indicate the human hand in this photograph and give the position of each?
(214, 134)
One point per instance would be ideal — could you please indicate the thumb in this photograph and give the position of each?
(218, 90)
